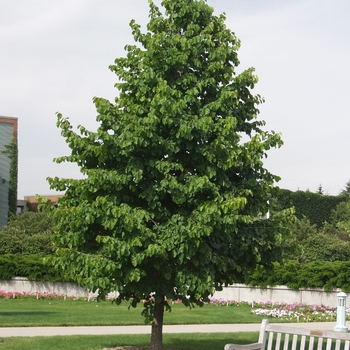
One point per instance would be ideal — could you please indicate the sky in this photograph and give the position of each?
(55, 55)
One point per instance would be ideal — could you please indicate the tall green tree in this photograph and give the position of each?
(174, 176)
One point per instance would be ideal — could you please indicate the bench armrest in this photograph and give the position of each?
(254, 346)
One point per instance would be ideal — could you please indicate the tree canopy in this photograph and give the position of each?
(174, 175)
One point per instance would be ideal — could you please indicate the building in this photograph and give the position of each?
(8, 166)
(33, 204)
(21, 206)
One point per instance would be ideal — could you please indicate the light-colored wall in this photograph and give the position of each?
(241, 292)
(237, 292)
(21, 284)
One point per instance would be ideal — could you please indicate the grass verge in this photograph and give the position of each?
(192, 341)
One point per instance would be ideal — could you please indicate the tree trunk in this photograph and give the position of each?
(157, 328)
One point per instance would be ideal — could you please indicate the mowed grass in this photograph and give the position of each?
(59, 312)
(193, 341)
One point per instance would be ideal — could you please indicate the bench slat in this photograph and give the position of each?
(319, 343)
(278, 341)
(270, 341)
(311, 343)
(295, 342)
(286, 342)
(329, 344)
(302, 342)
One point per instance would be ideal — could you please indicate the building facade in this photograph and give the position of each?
(8, 166)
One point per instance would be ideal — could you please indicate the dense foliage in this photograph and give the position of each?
(340, 218)
(325, 247)
(27, 233)
(315, 206)
(13, 182)
(331, 242)
(318, 274)
(34, 267)
(175, 179)
(11, 151)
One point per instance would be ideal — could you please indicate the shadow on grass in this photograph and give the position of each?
(212, 341)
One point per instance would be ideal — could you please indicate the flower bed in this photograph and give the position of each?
(297, 312)
(38, 295)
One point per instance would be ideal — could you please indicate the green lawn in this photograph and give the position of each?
(59, 312)
(194, 341)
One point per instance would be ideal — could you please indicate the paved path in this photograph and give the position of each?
(94, 330)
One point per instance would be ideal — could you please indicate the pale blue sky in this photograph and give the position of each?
(55, 57)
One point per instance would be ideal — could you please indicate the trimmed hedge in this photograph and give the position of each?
(316, 207)
(33, 267)
(317, 274)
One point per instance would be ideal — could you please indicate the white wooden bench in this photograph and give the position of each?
(283, 337)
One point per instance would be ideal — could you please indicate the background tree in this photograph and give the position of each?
(174, 173)
(324, 247)
(301, 230)
(340, 220)
(320, 189)
(27, 233)
(346, 190)
(340, 213)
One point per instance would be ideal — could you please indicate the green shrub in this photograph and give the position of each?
(340, 213)
(301, 230)
(317, 274)
(324, 247)
(340, 219)
(34, 267)
(27, 233)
